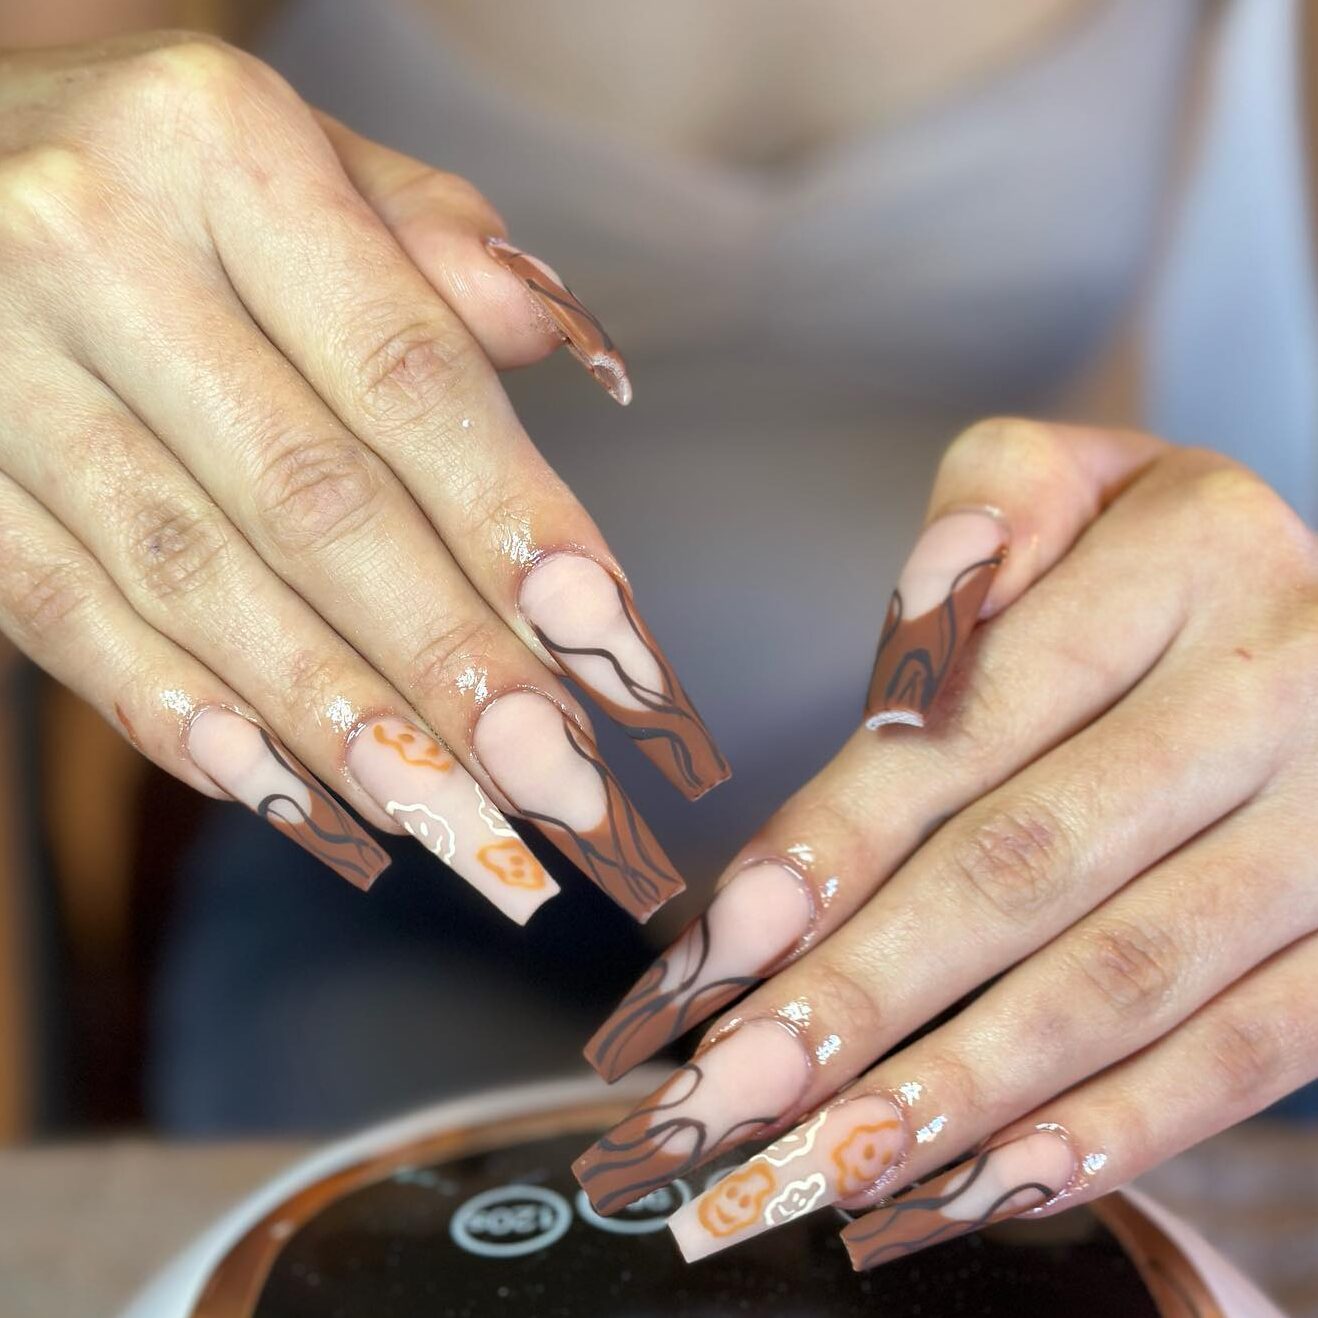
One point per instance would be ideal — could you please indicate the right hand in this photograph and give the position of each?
(257, 472)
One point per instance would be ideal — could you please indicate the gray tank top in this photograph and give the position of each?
(803, 344)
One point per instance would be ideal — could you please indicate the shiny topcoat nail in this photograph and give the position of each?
(932, 613)
(1000, 1182)
(245, 760)
(759, 916)
(552, 774)
(585, 337)
(586, 618)
(745, 1085)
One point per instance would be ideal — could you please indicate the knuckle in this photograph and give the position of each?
(1231, 497)
(1013, 860)
(49, 192)
(312, 493)
(1128, 967)
(412, 376)
(1003, 438)
(44, 599)
(454, 647)
(176, 550)
(840, 997)
(311, 681)
(197, 68)
(1249, 1057)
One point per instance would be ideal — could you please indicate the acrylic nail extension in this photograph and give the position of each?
(418, 783)
(999, 1183)
(244, 759)
(840, 1152)
(745, 1084)
(586, 618)
(551, 773)
(932, 613)
(585, 337)
(754, 921)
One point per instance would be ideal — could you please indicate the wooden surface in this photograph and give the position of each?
(81, 1227)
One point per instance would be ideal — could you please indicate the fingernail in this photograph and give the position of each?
(746, 1084)
(586, 338)
(586, 618)
(750, 925)
(244, 759)
(932, 613)
(417, 782)
(843, 1151)
(1001, 1182)
(552, 774)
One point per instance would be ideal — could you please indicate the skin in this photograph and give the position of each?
(1110, 812)
(255, 449)
(1112, 807)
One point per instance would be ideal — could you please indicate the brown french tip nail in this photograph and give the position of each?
(1001, 1182)
(585, 337)
(932, 613)
(755, 920)
(244, 759)
(552, 774)
(739, 1088)
(586, 618)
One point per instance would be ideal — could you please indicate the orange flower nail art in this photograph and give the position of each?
(735, 1202)
(864, 1156)
(511, 863)
(840, 1152)
(415, 748)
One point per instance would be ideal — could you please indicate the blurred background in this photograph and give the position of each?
(827, 237)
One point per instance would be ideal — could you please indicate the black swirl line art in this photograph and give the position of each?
(620, 854)
(667, 727)
(634, 1157)
(915, 655)
(326, 830)
(650, 1016)
(889, 1233)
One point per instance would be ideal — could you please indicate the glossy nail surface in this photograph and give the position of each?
(585, 337)
(417, 782)
(552, 774)
(932, 613)
(244, 759)
(1001, 1182)
(842, 1151)
(586, 618)
(745, 1084)
(755, 920)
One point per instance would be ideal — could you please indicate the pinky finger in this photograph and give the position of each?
(62, 610)
(1250, 1046)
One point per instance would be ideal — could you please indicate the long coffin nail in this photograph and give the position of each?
(586, 618)
(586, 338)
(245, 760)
(842, 1151)
(932, 613)
(751, 924)
(417, 782)
(552, 774)
(1001, 1182)
(744, 1085)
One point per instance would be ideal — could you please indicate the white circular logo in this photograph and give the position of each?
(647, 1214)
(510, 1220)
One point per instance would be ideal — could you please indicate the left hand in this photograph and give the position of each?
(1108, 819)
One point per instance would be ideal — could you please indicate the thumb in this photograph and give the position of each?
(1010, 498)
(515, 306)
